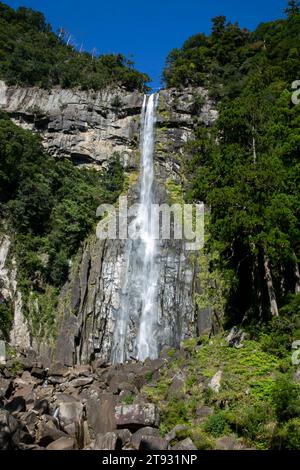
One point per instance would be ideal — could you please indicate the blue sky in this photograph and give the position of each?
(146, 30)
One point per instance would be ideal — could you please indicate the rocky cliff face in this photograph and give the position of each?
(92, 299)
(89, 127)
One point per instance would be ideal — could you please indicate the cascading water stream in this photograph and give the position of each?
(139, 296)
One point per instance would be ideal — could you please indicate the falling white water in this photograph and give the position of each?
(146, 339)
(139, 300)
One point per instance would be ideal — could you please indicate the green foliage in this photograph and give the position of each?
(128, 399)
(51, 206)
(148, 376)
(277, 336)
(286, 397)
(245, 167)
(245, 404)
(287, 436)
(216, 425)
(16, 368)
(253, 422)
(32, 54)
(6, 318)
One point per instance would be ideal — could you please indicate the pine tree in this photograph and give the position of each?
(293, 7)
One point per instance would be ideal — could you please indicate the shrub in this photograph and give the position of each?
(287, 436)
(216, 424)
(128, 399)
(286, 398)
(6, 318)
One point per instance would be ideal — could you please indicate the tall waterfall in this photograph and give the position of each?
(139, 293)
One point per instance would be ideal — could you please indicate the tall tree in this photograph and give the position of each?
(293, 7)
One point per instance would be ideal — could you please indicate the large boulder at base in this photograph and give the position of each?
(136, 416)
(101, 414)
(70, 412)
(186, 444)
(153, 443)
(63, 443)
(136, 438)
(124, 436)
(17, 404)
(47, 432)
(106, 441)
(5, 387)
(9, 428)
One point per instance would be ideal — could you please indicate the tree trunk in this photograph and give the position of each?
(271, 291)
(254, 146)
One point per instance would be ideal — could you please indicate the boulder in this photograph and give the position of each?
(106, 441)
(101, 414)
(31, 420)
(16, 405)
(81, 382)
(186, 444)
(47, 432)
(38, 371)
(153, 443)
(63, 443)
(5, 387)
(173, 433)
(136, 416)
(177, 386)
(70, 412)
(124, 436)
(137, 437)
(236, 337)
(204, 411)
(8, 431)
(58, 370)
(215, 383)
(41, 407)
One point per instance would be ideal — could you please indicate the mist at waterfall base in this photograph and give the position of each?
(140, 289)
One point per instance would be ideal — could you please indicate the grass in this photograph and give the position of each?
(242, 408)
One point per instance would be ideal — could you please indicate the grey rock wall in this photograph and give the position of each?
(88, 127)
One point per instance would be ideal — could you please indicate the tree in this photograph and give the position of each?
(219, 26)
(293, 7)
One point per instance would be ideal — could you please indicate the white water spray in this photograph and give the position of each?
(140, 289)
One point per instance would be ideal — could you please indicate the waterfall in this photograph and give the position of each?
(139, 292)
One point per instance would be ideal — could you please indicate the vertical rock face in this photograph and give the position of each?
(93, 296)
(86, 126)
(89, 128)
(19, 335)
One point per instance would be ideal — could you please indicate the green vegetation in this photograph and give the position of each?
(128, 399)
(51, 206)
(32, 54)
(246, 168)
(6, 318)
(257, 404)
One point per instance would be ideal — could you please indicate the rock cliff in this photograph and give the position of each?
(89, 128)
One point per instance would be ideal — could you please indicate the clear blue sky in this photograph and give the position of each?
(147, 30)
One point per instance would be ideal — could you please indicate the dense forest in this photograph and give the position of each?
(247, 166)
(246, 169)
(50, 207)
(32, 54)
